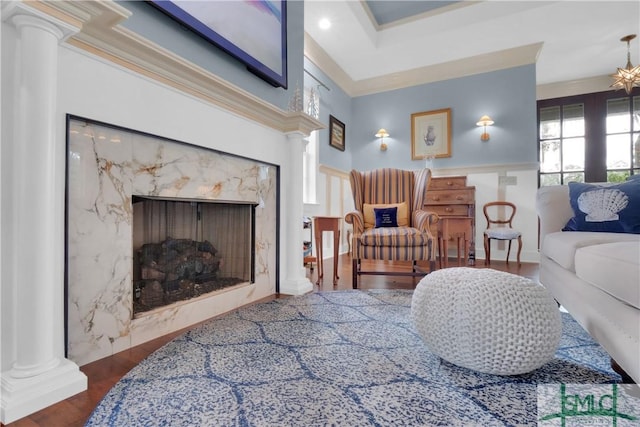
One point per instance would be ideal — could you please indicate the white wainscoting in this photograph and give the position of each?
(334, 199)
(489, 187)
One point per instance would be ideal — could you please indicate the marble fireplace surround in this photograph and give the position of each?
(107, 165)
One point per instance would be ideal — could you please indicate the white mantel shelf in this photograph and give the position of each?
(101, 34)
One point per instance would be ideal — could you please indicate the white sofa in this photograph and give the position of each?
(595, 276)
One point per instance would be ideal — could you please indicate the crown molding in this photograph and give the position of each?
(478, 64)
(320, 58)
(465, 67)
(413, 18)
(508, 58)
(101, 34)
(574, 87)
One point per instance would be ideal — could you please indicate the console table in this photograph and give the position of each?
(454, 202)
(327, 223)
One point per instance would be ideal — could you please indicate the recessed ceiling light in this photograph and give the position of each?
(324, 24)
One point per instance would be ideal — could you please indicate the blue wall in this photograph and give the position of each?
(157, 27)
(337, 103)
(508, 96)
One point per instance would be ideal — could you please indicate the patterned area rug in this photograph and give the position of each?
(344, 358)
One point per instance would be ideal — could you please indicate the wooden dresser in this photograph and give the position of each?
(454, 202)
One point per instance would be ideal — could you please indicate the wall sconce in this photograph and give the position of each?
(381, 134)
(484, 121)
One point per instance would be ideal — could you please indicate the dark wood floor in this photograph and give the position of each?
(104, 373)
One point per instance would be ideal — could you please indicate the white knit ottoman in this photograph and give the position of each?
(487, 320)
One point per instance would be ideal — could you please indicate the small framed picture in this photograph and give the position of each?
(336, 133)
(431, 134)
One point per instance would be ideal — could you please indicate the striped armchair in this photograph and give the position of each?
(409, 238)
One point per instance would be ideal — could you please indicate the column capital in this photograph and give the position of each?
(296, 135)
(22, 14)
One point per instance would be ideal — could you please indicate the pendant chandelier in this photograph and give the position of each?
(628, 77)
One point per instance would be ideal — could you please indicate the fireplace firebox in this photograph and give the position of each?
(184, 249)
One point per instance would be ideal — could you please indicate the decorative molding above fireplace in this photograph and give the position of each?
(99, 33)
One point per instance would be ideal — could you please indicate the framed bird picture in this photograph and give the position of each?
(431, 134)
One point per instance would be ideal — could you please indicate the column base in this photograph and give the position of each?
(24, 396)
(296, 286)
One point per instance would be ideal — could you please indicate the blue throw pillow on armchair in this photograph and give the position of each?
(386, 217)
(605, 208)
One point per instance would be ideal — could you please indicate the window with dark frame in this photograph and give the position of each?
(589, 138)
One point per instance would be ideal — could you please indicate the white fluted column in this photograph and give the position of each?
(40, 375)
(35, 145)
(295, 281)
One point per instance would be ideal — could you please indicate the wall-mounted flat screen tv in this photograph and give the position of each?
(253, 31)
